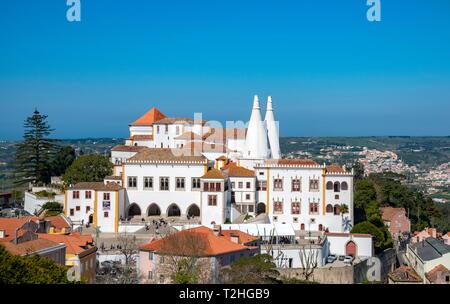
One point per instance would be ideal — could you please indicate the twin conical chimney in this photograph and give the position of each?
(256, 146)
(272, 130)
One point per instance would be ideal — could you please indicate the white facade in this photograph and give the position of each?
(339, 244)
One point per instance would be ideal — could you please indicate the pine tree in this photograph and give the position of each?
(35, 153)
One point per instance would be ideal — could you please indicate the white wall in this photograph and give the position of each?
(364, 245)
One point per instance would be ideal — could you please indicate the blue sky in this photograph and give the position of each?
(330, 71)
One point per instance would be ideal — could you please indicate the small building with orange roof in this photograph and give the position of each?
(209, 249)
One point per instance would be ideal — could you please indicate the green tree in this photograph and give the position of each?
(64, 157)
(30, 270)
(382, 239)
(88, 168)
(258, 269)
(35, 152)
(186, 273)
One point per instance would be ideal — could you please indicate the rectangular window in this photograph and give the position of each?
(106, 196)
(240, 185)
(161, 279)
(206, 187)
(195, 183)
(179, 183)
(296, 186)
(295, 208)
(132, 182)
(164, 184)
(87, 195)
(247, 197)
(161, 259)
(262, 186)
(313, 208)
(233, 185)
(106, 214)
(72, 212)
(150, 256)
(249, 185)
(251, 208)
(77, 208)
(157, 129)
(212, 200)
(150, 275)
(148, 183)
(88, 208)
(76, 194)
(277, 184)
(278, 207)
(313, 185)
(218, 187)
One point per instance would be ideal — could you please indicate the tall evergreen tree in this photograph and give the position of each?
(35, 153)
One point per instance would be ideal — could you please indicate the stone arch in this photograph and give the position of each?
(173, 210)
(329, 208)
(337, 187)
(351, 249)
(134, 210)
(260, 208)
(329, 185)
(153, 210)
(193, 210)
(344, 186)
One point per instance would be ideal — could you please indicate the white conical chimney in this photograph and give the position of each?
(272, 130)
(256, 146)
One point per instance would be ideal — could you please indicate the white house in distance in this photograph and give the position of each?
(179, 167)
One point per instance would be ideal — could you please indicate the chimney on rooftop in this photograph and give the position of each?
(217, 230)
(234, 238)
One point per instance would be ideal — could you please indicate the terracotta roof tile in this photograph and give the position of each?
(214, 174)
(28, 247)
(11, 224)
(75, 242)
(166, 155)
(335, 169)
(432, 275)
(387, 213)
(97, 186)
(244, 238)
(199, 241)
(149, 118)
(293, 162)
(123, 148)
(141, 137)
(232, 170)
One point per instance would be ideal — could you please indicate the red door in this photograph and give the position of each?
(350, 249)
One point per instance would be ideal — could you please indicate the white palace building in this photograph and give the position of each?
(182, 167)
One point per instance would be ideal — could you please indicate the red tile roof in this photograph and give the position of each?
(199, 241)
(98, 186)
(244, 238)
(388, 212)
(335, 169)
(214, 174)
(11, 224)
(122, 148)
(232, 170)
(75, 242)
(149, 118)
(28, 247)
(440, 269)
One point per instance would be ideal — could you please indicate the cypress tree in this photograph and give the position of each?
(35, 153)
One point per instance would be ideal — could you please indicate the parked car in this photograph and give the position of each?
(331, 258)
(348, 259)
(341, 257)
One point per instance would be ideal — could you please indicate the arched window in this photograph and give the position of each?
(344, 186)
(260, 208)
(337, 210)
(153, 210)
(337, 187)
(302, 226)
(329, 208)
(134, 210)
(193, 210)
(330, 186)
(173, 210)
